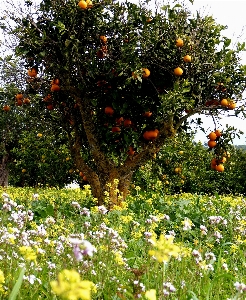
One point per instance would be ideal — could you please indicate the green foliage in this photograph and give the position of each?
(64, 42)
(183, 165)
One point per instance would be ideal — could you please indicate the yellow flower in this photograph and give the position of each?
(150, 294)
(28, 253)
(164, 248)
(118, 258)
(70, 286)
(2, 278)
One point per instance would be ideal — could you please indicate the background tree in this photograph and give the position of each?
(122, 78)
(30, 152)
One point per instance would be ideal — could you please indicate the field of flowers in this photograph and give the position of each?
(57, 244)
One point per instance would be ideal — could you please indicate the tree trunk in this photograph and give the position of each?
(4, 173)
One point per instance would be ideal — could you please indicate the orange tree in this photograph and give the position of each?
(30, 154)
(122, 78)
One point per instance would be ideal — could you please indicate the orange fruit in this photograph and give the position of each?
(127, 123)
(50, 107)
(187, 58)
(6, 108)
(19, 102)
(19, 96)
(211, 144)
(116, 129)
(179, 43)
(218, 133)
(26, 101)
(55, 88)
(147, 114)
(109, 111)
(178, 71)
(212, 136)
(84, 178)
(232, 105)
(130, 151)
(220, 168)
(55, 81)
(213, 163)
(100, 54)
(33, 72)
(151, 135)
(103, 39)
(146, 72)
(224, 102)
(82, 4)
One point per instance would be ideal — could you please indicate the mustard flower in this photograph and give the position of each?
(69, 286)
(150, 294)
(28, 253)
(164, 248)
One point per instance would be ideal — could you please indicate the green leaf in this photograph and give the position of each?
(17, 285)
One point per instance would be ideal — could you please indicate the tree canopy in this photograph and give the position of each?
(121, 78)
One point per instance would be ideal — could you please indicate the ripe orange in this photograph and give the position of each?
(211, 144)
(212, 136)
(220, 168)
(81, 174)
(26, 101)
(19, 102)
(178, 71)
(84, 178)
(109, 111)
(55, 88)
(33, 72)
(118, 121)
(187, 58)
(232, 105)
(19, 96)
(50, 107)
(224, 102)
(146, 72)
(148, 20)
(116, 129)
(218, 133)
(147, 114)
(213, 163)
(151, 135)
(82, 4)
(130, 151)
(103, 39)
(55, 81)
(127, 123)
(179, 43)
(100, 54)
(6, 108)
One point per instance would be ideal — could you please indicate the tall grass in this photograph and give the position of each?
(153, 246)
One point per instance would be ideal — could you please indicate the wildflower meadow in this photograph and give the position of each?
(58, 244)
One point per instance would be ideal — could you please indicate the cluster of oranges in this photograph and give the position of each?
(187, 58)
(102, 52)
(48, 99)
(21, 100)
(216, 163)
(85, 4)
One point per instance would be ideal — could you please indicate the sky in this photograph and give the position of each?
(232, 14)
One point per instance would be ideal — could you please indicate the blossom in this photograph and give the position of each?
(28, 253)
(82, 248)
(187, 224)
(164, 248)
(70, 286)
(150, 294)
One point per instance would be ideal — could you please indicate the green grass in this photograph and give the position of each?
(201, 255)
